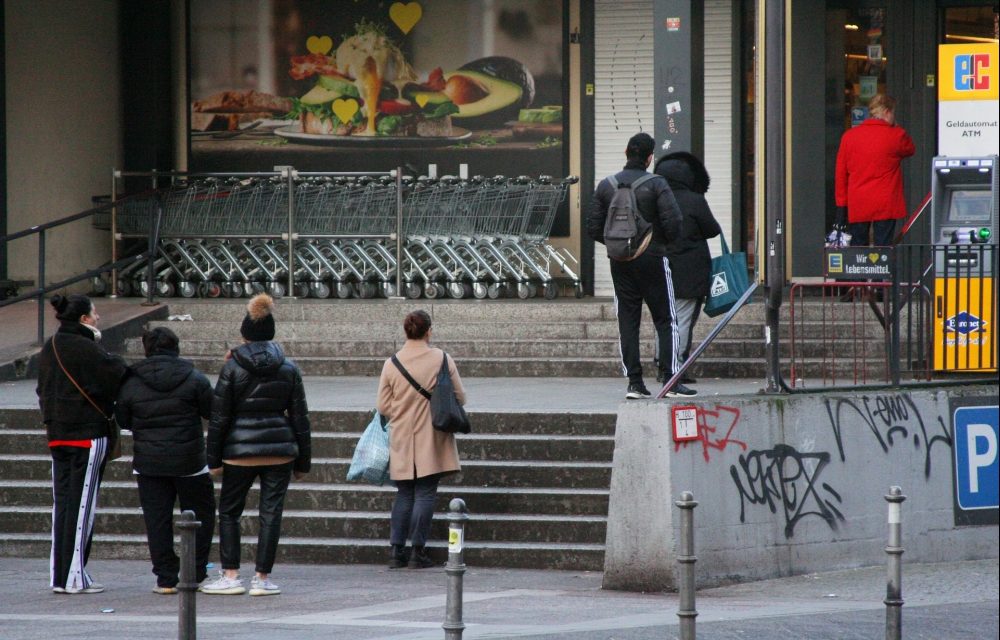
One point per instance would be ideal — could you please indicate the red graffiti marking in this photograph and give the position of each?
(712, 422)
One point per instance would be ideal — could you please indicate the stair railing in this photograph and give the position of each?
(42, 289)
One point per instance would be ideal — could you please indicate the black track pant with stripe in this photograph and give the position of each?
(645, 280)
(76, 480)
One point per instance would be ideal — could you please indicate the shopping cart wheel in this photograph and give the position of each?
(431, 291)
(344, 290)
(413, 290)
(366, 290)
(578, 292)
(456, 290)
(550, 291)
(232, 289)
(255, 288)
(387, 289)
(276, 289)
(495, 290)
(124, 288)
(98, 286)
(301, 289)
(143, 288)
(523, 291)
(165, 289)
(320, 289)
(209, 289)
(478, 290)
(186, 289)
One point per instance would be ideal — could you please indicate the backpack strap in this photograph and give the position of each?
(613, 181)
(406, 374)
(643, 179)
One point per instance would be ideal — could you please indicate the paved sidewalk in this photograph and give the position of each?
(950, 601)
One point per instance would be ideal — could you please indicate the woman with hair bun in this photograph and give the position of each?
(77, 384)
(419, 455)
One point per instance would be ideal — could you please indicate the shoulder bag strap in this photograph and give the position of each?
(406, 374)
(78, 387)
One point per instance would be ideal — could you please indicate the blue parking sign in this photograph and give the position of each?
(977, 464)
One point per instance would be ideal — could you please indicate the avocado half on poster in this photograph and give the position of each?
(363, 85)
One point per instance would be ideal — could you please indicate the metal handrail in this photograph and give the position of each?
(42, 289)
(712, 335)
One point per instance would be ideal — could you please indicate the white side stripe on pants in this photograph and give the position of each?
(674, 363)
(78, 578)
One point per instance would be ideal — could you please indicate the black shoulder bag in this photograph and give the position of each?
(447, 414)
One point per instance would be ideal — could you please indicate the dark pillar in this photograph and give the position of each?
(774, 178)
(679, 72)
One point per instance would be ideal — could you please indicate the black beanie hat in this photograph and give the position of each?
(258, 323)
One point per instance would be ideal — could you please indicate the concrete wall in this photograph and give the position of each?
(63, 126)
(785, 486)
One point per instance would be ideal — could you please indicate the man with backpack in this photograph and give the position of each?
(635, 216)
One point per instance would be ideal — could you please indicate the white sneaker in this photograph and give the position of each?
(263, 587)
(224, 586)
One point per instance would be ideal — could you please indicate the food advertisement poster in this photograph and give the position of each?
(366, 85)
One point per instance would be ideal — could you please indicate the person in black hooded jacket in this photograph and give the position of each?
(259, 429)
(690, 259)
(77, 384)
(163, 402)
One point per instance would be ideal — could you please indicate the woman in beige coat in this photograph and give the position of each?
(419, 455)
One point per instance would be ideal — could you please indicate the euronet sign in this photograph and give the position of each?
(968, 88)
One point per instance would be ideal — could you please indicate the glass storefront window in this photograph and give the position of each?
(969, 25)
(864, 61)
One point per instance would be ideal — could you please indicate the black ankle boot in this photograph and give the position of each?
(399, 558)
(420, 559)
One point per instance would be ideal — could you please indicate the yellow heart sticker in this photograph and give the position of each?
(319, 44)
(405, 15)
(873, 257)
(421, 101)
(345, 109)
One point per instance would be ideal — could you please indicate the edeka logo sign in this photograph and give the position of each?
(968, 72)
(964, 323)
(859, 263)
(976, 432)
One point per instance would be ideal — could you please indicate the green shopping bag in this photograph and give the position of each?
(728, 281)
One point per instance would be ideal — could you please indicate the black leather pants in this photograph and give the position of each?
(236, 483)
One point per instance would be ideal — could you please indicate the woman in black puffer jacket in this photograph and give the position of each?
(259, 428)
(78, 434)
(690, 259)
(163, 403)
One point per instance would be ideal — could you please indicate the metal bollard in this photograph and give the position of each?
(686, 611)
(894, 585)
(188, 587)
(457, 517)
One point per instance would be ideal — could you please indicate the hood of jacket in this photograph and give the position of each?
(162, 372)
(683, 171)
(259, 357)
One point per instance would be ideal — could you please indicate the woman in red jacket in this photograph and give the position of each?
(869, 177)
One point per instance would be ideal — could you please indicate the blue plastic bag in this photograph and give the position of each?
(371, 456)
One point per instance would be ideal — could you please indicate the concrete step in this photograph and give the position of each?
(351, 497)
(507, 473)
(555, 424)
(344, 524)
(313, 550)
(341, 445)
(521, 348)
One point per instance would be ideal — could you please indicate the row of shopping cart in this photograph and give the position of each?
(229, 236)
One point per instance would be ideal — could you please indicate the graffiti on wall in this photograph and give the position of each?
(786, 479)
(892, 418)
(715, 430)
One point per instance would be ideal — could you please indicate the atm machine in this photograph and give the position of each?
(964, 218)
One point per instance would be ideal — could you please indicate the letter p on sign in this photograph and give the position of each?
(977, 464)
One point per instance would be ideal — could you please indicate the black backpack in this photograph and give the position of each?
(625, 229)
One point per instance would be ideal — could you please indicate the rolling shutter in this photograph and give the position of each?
(719, 115)
(623, 94)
